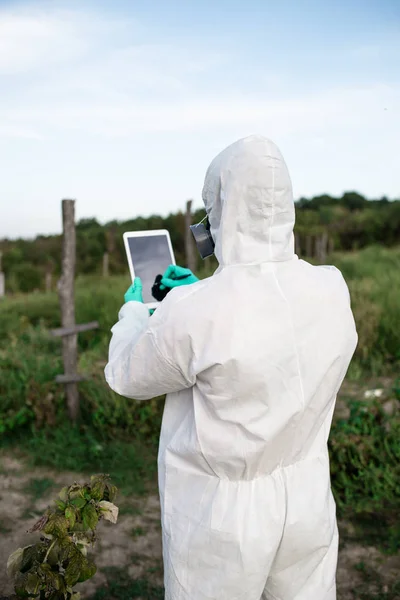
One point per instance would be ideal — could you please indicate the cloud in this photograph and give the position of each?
(35, 41)
(82, 72)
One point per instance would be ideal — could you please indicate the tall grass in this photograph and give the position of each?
(115, 432)
(373, 276)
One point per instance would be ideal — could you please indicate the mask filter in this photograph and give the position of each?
(202, 236)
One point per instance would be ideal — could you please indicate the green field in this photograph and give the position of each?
(119, 436)
(32, 402)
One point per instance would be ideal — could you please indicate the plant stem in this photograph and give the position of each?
(53, 543)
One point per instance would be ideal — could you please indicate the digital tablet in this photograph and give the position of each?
(149, 254)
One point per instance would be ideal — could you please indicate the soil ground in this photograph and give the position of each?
(134, 544)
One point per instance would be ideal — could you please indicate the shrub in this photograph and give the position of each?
(365, 458)
(53, 566)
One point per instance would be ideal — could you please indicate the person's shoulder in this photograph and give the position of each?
(328, 278)
(327, 272)
(334, 282)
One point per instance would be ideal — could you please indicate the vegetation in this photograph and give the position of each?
(120, 436)
(121, 587)
(53, 566)
(365, 467)
(351, 222)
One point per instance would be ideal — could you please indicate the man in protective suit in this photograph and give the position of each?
(251, 361)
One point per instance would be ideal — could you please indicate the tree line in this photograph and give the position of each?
(323, 224)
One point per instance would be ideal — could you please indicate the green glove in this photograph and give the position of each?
(176, 276)
(135, 292)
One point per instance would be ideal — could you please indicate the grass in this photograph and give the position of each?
(65, 448)
(120, 436)
(373, 275)
(129, 509)
(365, 459)
(379, 530)
(4, 528)
(121, 587)
(373, 587)
(36, 488)
(137, 532)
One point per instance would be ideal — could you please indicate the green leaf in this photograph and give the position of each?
(112, 492)
(21, 582)
(32, 583)
(86, 493)
(70, 514)
(57, 526)
(73, 570)
(88, 570)
(98, 484)
(15, 561)
(78, 502)
(32, 554)
(61, 505)
(67, 549)
(75, 491)
(63, 495)
(54, 555)
(90, 517)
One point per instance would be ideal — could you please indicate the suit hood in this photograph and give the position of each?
(248, 197)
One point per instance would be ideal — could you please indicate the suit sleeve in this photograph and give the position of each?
(149, 356)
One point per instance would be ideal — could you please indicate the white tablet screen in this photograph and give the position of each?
(150, 257)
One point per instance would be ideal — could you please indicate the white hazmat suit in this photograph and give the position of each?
(251, 359)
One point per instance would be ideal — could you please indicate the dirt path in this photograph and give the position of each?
(135, 542)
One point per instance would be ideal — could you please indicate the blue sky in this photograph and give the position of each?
(122, 105)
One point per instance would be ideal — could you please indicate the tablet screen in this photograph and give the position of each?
(150, 257)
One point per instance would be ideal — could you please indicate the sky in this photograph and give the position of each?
(122, 105)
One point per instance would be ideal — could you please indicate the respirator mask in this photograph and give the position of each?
(202, 236)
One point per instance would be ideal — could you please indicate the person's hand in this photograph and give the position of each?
(135, 292)
(176, 276)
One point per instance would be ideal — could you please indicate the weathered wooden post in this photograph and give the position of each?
(69, 330)
(191, 261)
(309, 246)
(66, 291)
(317, 247)
(321, 246)
(49, 277)
(324, 247)
(297, 244)
(106, 262)
(2, 279)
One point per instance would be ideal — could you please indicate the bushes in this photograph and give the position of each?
(364, 447)
(25, 277)
(51, 567)
(373, 276)
(30, 361)
(365, 458)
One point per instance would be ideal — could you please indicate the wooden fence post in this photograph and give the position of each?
(297, 244)
(106, 263)
(66, 289)
(324, 246)
(2, 279)
(321, 247)
(49, 278)
(191, 261)
(309, 246)
(69, 330)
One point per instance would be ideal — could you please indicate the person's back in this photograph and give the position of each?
(253, 358)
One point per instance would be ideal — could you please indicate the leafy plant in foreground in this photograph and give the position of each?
(49, 569)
